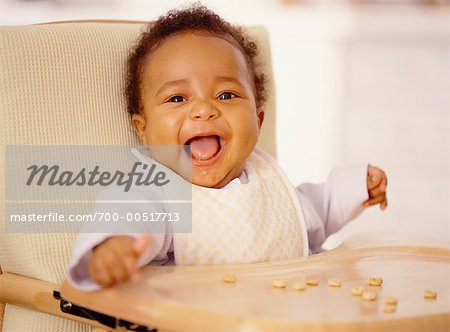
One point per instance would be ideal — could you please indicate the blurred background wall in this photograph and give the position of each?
(355, 81)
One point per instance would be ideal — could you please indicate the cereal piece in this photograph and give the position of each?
(278, 283)
(299, 286)
(390, 300)
(428, 294)
(357, 290)
(334, 282)
(389, 308)
(229, 279)
(375, 281)
(312, 282)
(369, 296)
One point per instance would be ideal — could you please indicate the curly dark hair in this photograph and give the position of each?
(193, 18)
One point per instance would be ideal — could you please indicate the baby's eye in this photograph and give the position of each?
(226, 95)
(176, 99)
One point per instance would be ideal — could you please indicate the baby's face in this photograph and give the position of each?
(197, 91)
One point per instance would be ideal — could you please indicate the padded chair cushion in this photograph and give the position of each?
(62, 84)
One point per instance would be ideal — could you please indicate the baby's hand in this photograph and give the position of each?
(115, 260)
(376, 187)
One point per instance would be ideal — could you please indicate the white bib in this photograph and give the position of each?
(254, 222)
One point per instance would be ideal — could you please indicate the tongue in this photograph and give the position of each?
(204, 148)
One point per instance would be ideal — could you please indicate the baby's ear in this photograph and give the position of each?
(260, 116)
(139, 125)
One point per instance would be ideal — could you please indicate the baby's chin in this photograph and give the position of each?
(212, 180)
(208, 183)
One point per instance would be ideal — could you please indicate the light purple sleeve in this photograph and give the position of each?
(77, 274)
(329, 206)
(84, 244)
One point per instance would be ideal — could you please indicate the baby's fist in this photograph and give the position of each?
(115, 260)
(376, 187)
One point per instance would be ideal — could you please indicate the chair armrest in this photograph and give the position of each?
(36, 295)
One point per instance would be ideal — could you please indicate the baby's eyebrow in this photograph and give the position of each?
(171, 83)
(228, 79)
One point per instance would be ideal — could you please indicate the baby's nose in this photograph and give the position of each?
(204, 111)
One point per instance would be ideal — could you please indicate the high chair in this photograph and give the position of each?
(61, 83)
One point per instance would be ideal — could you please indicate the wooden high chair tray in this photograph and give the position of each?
(196, 298)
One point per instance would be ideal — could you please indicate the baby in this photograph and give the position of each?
(192, 80)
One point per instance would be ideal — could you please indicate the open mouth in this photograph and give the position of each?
(204, 149)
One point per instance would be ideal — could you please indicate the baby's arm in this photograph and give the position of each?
(100, 259)
(329, 206)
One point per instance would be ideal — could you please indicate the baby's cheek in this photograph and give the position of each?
(163, 131)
